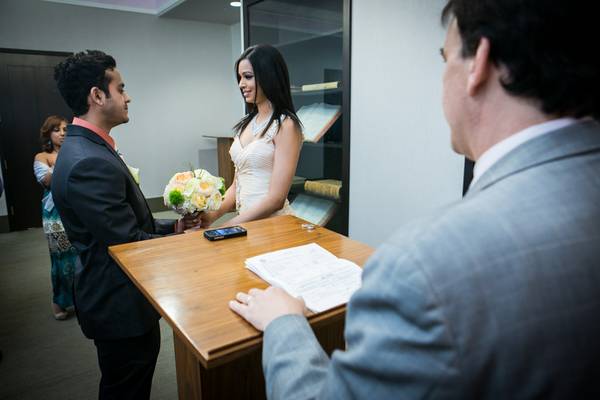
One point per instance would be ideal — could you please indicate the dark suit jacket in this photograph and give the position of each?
(101, 205)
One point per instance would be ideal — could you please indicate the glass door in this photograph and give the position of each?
(311, 37)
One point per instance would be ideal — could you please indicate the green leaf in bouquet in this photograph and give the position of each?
(176, 198)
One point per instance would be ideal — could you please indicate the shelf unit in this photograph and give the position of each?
(322, 92)
(314, 38)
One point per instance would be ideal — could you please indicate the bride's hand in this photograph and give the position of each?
(207, 218)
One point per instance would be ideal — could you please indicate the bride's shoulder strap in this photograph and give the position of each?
(274, 128)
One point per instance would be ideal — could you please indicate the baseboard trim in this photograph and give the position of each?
(4, 226)
(157, 204)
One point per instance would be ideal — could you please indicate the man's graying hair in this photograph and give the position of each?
(547, 46)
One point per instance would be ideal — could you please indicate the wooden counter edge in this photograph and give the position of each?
(237, 349)
(233, 350)
(176, 329)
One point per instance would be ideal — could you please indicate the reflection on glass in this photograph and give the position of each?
(309, 34)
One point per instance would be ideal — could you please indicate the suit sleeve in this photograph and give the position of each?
(398, 343)
(165, 226)
(97, 192)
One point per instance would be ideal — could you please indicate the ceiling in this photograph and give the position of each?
(214, 11)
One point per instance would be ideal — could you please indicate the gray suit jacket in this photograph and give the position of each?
(497, 296)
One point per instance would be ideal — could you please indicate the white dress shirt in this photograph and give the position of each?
(502, 148)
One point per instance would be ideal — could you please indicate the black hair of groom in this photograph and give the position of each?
(79, 73)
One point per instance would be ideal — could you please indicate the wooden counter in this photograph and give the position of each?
(190, 281)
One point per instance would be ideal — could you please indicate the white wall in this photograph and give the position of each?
(179, 74)
(237, 48)
(236, 44)
(401, 164)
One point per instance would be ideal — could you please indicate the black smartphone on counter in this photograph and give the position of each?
(225, 233)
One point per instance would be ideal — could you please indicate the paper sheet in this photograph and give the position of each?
(320, 278)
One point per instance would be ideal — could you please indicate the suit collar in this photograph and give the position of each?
(78, 130)
(505, 146)
(570, 141)
(97, 130)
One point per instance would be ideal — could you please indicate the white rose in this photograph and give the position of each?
(214, 201)
(190, 187)
(199, 173)
(206, 187)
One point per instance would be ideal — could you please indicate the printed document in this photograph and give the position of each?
(311, 272)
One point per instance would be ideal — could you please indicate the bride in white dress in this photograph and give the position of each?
(267, 145)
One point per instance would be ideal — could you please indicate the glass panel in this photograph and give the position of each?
(309, 34)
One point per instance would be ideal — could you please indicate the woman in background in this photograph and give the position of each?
(62, 255)
(268, 139)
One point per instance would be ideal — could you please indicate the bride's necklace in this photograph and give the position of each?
(258, 128)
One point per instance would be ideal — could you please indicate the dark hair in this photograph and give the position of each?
(547, 46)
(81, 72)
(271, 74)
(49, 125)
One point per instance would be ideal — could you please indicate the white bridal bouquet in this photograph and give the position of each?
(193, 191)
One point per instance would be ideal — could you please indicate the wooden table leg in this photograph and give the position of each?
(188, 371)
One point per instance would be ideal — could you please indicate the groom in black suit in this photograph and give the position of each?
(101, 205)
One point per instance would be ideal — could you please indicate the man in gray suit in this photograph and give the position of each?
(497, 296)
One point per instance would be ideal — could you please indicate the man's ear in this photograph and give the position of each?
(97, 96)
(480, 67)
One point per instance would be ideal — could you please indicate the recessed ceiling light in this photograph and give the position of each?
(236, 4)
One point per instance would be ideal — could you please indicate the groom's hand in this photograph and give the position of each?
(178, 226)
(190, 221)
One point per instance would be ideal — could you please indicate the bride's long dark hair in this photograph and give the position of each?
(271, 75)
